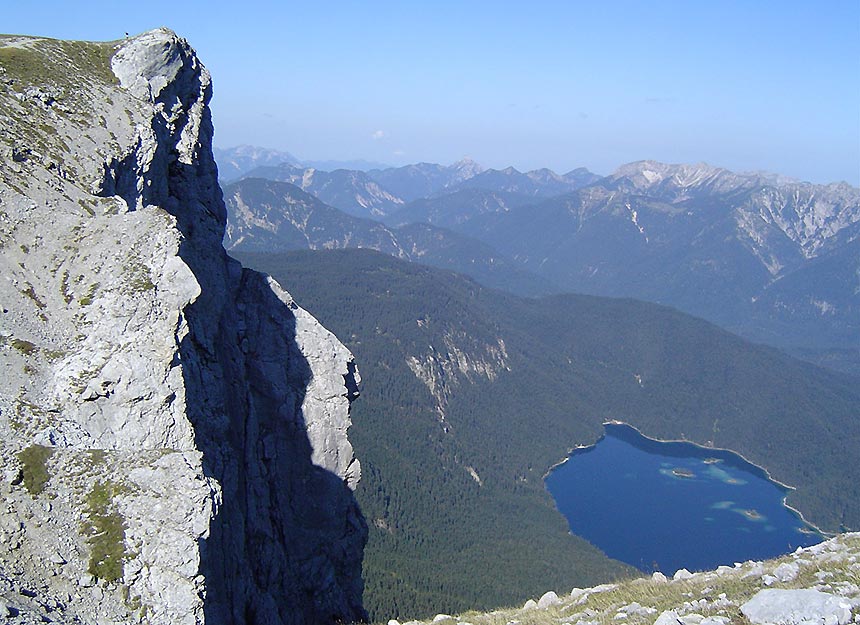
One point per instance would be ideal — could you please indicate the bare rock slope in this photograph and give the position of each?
(173, 426)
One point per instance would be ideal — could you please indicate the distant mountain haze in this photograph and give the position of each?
(272, 216)
(771, 258)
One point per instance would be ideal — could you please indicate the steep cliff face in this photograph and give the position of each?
(173, 425)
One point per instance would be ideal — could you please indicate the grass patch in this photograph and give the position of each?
(34, 461)
(89, 210)
(139, 277)
(87, 299)
(37, 61)
(25, 347)
(22, 63)
(31, 293)
(105, 531)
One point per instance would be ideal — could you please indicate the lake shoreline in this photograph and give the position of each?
(685, 451)
(764, 470)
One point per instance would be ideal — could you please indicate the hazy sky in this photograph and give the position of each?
(750, 84)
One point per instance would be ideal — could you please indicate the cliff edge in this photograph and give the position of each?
(173, 426)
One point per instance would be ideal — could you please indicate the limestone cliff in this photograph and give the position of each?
(173, 426)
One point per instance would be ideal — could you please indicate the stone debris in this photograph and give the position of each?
(787, 571)
(637, 609)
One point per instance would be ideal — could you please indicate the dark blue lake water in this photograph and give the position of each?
(666, 506)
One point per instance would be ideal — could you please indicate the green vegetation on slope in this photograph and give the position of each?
(524, 381)
(25, 60)
(34, 467)
(105, 531)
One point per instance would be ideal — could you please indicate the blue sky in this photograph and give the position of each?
(772, 85)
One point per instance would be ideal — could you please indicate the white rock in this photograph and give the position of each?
(669, 617)
(794, 607)
(441, 617)
(658, 577)
(786, 571)
(637, 609)
(393, 622)
(547, 600)
(681, 574)
(531, 604)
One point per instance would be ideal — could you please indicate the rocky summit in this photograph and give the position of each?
(173, 426)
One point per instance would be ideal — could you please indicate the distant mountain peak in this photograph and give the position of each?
(644, 174)
(468, 167)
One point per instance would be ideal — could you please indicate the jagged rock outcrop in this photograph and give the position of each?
(173, 425)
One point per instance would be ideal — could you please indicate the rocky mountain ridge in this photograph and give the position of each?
(235, 161)
(773, 261)
(351, 191)
(271, 216)
(412, 182)
(163, 410)
(809, 215)
(770, 258)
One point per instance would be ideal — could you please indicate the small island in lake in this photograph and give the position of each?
(752, 514)
(712, 460)
(681, 472)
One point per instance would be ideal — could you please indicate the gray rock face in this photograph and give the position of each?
(173, 425)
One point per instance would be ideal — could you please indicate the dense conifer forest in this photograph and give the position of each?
(452, 483)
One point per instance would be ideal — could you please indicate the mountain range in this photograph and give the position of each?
(175, 429)
(772, 259)
(271, 216)
(235, 161)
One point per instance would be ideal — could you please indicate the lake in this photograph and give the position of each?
(666, 506)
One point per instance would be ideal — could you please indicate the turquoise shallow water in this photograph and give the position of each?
(666, 506)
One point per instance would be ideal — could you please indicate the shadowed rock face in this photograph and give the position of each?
(185, 398)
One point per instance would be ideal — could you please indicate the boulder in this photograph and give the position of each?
(797, 607)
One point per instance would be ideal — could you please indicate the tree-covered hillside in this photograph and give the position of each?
(470, 395)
